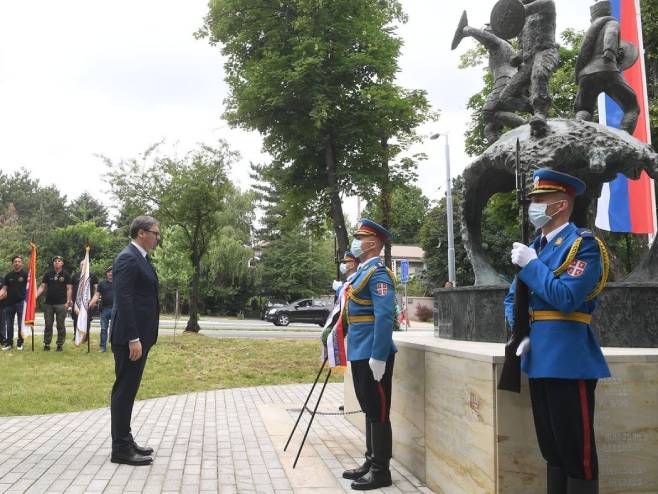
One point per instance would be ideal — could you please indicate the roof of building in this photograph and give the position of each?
(409, 252)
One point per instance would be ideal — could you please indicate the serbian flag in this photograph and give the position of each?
(82, 298)
(628, 205)
(30, 302)
(334, 352)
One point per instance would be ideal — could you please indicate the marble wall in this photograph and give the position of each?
(456, 431)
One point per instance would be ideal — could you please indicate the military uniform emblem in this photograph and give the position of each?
(576, 268)
(20, 279)
(60, 279)
(382, 289)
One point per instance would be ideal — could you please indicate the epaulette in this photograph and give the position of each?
(585, 233)
(605, 260)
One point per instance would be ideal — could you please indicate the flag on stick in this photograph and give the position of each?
(30, 302)
(335, 349)
(82, 301)
(628, 205)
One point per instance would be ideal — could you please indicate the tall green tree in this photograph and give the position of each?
(317, 80)
(410, 208)
(186, 192)
(299, 264)
(86, 208)
(38, 208)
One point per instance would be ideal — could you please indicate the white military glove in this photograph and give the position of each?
(336, 285)
(378, 367)
(522, 254)
(524, 347)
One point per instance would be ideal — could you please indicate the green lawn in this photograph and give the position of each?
(49, 382)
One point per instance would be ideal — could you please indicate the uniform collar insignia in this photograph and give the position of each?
(558, 241)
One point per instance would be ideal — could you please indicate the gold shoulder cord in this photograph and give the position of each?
(353, 291)
(605, 260)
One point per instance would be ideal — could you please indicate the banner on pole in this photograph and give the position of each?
(82, 299)
(30, 302)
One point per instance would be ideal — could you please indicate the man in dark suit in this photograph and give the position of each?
(134, 330)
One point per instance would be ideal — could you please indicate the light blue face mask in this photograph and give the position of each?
(343, 268)
(537, 214)
(355, 247)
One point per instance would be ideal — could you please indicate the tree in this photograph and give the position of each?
(86, 208)
(185, 192)
(316, 79)
(434, 240)
(298, 265)
(410, 208)
(70, 242)
(39, 209)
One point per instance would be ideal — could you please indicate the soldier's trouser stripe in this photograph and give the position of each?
(382, 402)
(587, 441)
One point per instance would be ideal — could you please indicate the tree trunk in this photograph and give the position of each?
(336, 205)
(386, 201)
(193, 322)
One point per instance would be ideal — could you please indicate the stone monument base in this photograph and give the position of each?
(455, 431)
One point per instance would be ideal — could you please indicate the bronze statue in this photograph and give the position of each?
(537, 61)
(500, 56)
(599, 65)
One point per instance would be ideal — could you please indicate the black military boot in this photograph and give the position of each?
(357, 473)
(379, 474)
(580, 486)
(556, 480)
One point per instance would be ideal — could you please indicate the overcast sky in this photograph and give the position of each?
(84, 77)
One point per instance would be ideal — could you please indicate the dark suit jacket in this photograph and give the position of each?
(136, 310)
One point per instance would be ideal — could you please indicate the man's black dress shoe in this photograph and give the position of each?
(130, 457)
(143, 450)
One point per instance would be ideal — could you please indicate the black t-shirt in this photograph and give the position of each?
(16, 281)
(93, 281)
(56, 282)
(107, 294)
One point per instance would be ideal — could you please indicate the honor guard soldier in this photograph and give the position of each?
(370, 349)
(348, 266)
(565, 268)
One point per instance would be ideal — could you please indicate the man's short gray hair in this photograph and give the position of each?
(142, 223)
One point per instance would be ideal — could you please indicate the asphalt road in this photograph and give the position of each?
(220, 327)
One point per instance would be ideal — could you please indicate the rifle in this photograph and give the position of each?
(510, 377)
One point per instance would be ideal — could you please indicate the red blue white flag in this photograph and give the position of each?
(628, 205)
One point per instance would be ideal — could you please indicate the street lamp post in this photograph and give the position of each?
(451, 236)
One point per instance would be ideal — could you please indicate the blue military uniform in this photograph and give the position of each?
(371, 312)
(562, 343)
(565, 360)
(371, 318)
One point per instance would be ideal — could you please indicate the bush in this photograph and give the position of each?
(424, 313)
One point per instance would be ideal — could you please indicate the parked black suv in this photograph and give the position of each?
(303, 310)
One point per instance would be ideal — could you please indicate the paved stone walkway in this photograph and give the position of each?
(226, 441)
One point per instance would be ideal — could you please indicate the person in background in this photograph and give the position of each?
(15, 283)
(58, 286)
(3, 325)
(104, 298)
